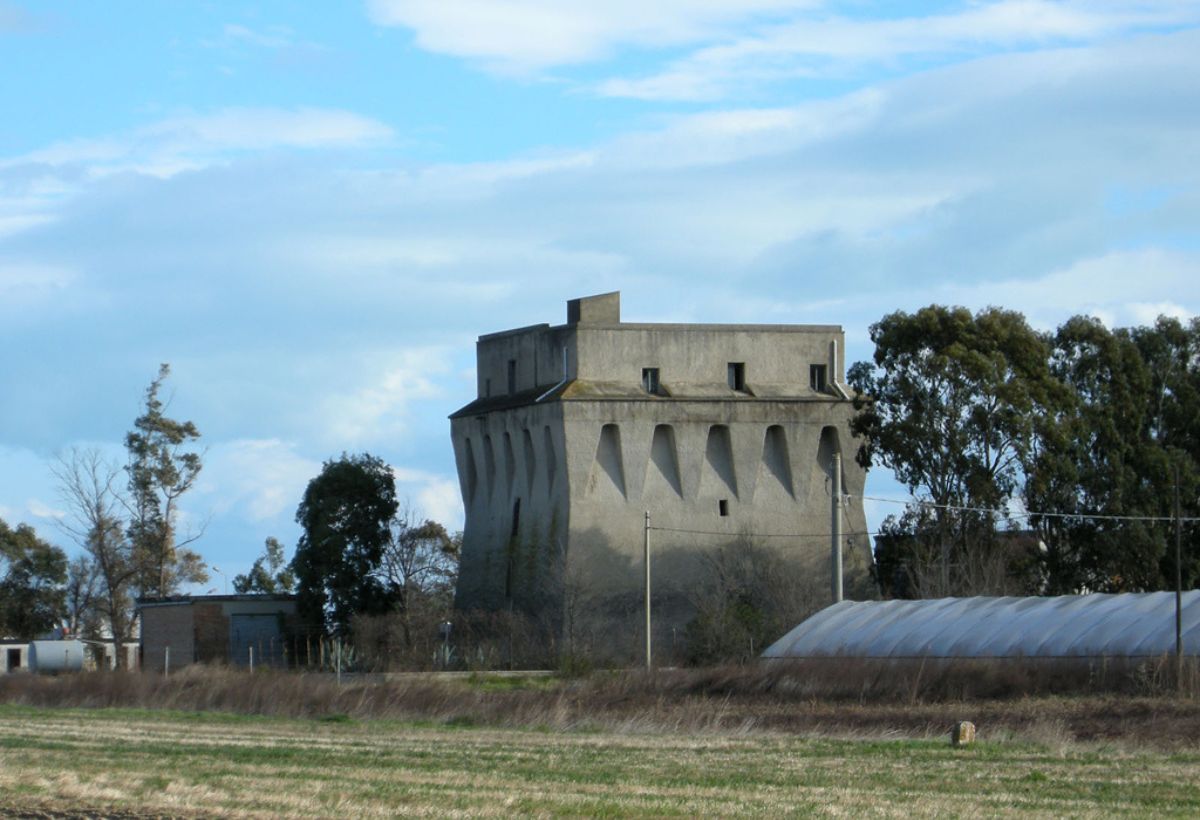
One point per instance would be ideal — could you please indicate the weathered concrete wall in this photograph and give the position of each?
(510, 467)
(773, 355)
(536, 353)
(766, 465)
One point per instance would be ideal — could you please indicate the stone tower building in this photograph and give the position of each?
(723, 433)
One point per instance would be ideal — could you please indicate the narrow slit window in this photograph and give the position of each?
(512, 376)
(723, 507)
(487, 387)
(516, 521)
(650, 380)
(736, 375)
(816, 377)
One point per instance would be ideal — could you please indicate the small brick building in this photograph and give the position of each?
(217, 629)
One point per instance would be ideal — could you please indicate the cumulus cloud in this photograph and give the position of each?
(191, 141)
(311, 305)
(261, 478)
(379, 406)
(21, 283)
(524, 35)
(731, 47)
(430, 495)
(25, 485)
(1111, 285)
(828, 45)
(40, 509)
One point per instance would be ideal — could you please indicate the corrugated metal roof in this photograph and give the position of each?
(1068, 626)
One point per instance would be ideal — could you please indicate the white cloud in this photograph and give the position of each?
(40, 509)
(1146, 313)
(743, 45)
(1111, 286)
(260, 478)
(437, 497)
(12, 224)
(812, 46)
(441, 501)
(379, 408)
(339, 310)
(23, 281)
(191, 141)
(524, 35)
(274, 37)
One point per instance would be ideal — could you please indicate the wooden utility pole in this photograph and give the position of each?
(646, 559)
(835, 548)
(1178, 589)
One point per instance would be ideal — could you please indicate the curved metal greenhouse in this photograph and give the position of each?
(1132, 625)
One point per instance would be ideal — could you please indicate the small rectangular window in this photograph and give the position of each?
(516, 519)
(512, 376)
(487, 387)
(650, 380)
(816, 377)
(723, 507)
(736, 374)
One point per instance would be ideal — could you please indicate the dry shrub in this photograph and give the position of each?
(840, 698)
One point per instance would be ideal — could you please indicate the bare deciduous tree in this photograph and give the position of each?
(88, 487)
(420, 560)
(83, 591)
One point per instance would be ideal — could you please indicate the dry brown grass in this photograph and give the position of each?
(124, 763)
(831, 700)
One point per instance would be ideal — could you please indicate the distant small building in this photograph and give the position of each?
(216, 629)
(14, 655)
(104, 655)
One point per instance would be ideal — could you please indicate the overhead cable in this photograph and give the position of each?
(1027, 513)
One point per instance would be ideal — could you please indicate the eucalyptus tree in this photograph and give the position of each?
(271, 573)
(346, 515)
(161, 469)
(32, 576)
(951, 403)
(1104, 466)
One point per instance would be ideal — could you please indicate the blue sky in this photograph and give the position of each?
(312, 210)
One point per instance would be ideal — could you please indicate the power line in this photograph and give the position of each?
(743, 533)
(930, 505)
(1027, 513)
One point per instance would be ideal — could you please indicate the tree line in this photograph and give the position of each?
(1037, 463)
(361, 554)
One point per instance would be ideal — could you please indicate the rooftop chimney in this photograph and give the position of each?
(602, 309)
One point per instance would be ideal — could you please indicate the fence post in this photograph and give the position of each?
(251, 648)
(339, 662)
(167, 662)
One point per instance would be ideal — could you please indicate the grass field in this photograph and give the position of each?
(60, 762)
